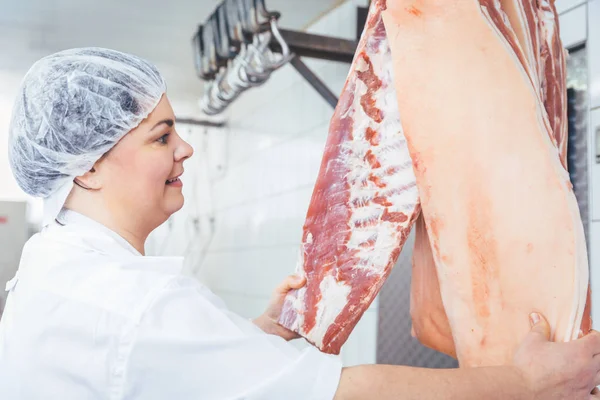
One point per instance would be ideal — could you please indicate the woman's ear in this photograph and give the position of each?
(90, 180)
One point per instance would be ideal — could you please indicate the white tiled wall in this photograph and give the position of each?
(595, 271)
(594, 51)
(594, 232)
(566, 5)
(595, 168)
(573, 26)
(13, 234)
(269, 157)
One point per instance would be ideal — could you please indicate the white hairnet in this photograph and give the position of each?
(72, 107)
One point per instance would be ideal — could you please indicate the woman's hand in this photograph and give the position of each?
(268, 321)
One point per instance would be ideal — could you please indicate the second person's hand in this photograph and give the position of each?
(559, 370)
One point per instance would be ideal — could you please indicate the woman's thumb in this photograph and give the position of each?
(291, 282)
(539, 326)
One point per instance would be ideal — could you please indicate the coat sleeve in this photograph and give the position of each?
(187, 345)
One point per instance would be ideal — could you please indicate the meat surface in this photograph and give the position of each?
(538, 35)
(429, 320)
(363, 205)
(500, 213)
(553, 74)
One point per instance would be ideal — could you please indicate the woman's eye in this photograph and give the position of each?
(163, 138)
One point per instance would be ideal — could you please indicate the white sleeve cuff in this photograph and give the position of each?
(328, 377)
(313, 376)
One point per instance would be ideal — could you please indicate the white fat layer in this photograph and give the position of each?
(309, 238)
(362, 235)
(365, 214)
(297, 301)
(336, 294)
(361, 65)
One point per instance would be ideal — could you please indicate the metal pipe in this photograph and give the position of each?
(317, 46)
(314, 81)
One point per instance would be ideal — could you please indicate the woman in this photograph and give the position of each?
(90, 317)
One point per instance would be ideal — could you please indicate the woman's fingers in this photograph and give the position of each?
(289, 283)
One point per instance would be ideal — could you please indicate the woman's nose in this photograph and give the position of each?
(183, 151)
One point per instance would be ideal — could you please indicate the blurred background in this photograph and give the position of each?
(249, 184)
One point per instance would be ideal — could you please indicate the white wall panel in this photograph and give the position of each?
(563, 6)
(573, 26)
(593, 48)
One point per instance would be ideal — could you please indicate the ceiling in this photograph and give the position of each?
(156, 30)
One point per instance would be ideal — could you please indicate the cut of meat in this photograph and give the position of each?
(491, 117)
(553, 77)
(429, 321)
(531, 29)
(363, 205)
(501, 215)
(553, 74)
(538, 34)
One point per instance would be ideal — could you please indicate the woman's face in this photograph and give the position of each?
(140, 175)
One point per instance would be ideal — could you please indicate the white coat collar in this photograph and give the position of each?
(91, 235)
(72, 219)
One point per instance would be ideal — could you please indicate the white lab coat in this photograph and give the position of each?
(88, 317)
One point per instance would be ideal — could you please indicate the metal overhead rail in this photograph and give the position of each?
(240, 45)
(329, 48)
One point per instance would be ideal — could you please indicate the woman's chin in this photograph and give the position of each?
(175, 203)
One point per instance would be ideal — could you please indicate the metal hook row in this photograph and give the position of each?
(233, 51)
